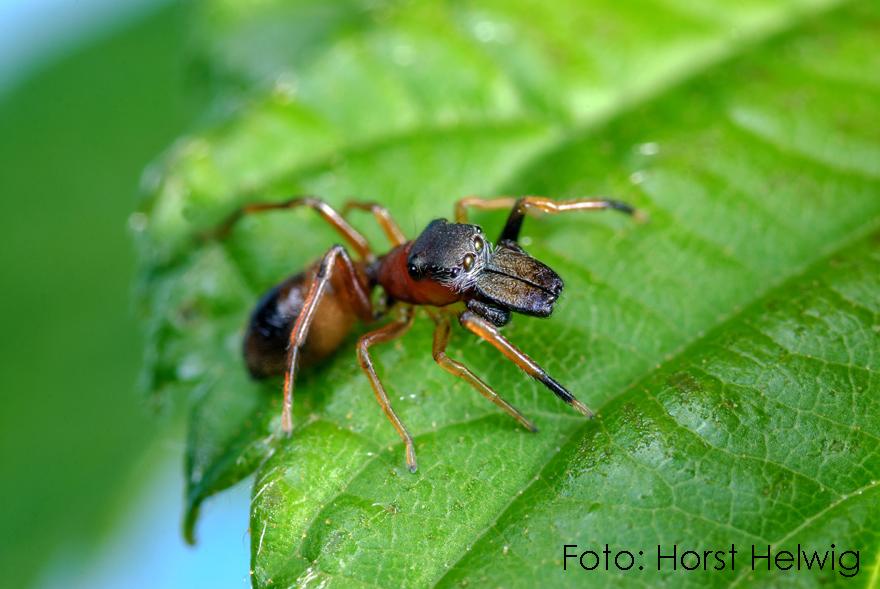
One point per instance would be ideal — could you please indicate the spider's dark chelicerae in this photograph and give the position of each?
(308, 316)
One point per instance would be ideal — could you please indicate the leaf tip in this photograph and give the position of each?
(189, 524)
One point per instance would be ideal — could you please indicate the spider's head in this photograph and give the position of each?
(452, 254)
(494, 281)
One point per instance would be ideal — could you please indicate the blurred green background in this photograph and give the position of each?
(80, 116)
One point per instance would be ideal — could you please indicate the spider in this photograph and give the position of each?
(308, 316)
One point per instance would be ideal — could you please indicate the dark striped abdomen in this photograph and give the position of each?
(268, 333)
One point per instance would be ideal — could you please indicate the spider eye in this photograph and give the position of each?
(478, 244)
(468, 262)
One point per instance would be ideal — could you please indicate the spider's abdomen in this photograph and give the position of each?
(268, 334)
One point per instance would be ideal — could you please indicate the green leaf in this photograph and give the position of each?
(731, 344)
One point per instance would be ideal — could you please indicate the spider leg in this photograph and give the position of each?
(383, 218)
(337, 259)
(354, 238)
(491, 334)
(387, 333)
(519, 207)
(483, 204)
(455, 368)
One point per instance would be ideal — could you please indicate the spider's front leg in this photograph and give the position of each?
(455, 368)
(485, 330)
(520, 206)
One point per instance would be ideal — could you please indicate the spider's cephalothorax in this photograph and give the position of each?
(309, 315)
(493, 281)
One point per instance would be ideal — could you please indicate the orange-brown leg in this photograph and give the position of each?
(483, 204)
(336, 259)
(490, 333)
(383, 218)
(519, 207)
(455, 368)
(386, 333)
(357, 241)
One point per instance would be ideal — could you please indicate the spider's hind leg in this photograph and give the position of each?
(354, 238)
(358, 299)
(382, 217)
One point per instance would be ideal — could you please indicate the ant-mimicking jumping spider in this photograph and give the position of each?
(307, 316)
